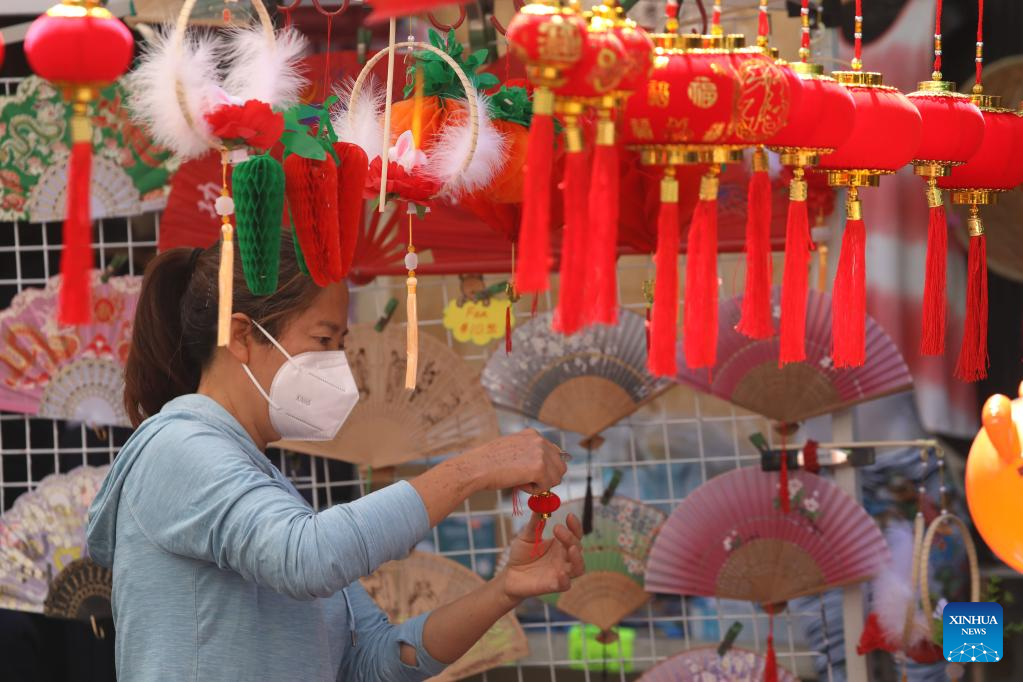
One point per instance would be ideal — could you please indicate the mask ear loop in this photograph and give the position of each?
(273, 341)
(252, 377)
(290, 360)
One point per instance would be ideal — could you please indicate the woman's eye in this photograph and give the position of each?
(324, 341)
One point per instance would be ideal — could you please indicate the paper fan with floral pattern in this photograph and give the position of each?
(703, 664)
(404, 589)
(71, 373)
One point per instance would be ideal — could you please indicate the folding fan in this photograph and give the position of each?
(448, 411)
(748, 376)
(190, 219)
(43, 566)
(72, 373)
(704, 665)
(583, 383)
(730, 539)
(615, 554)
(404, 589)
(111, 191)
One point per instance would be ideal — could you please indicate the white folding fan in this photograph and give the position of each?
(111, 191)
(43, 563)
(730, 539)
(73, 373)
(447, 412)
(582, 383)
(748, 375)
(404, 589)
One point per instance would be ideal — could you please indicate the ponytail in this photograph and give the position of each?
(175, 333)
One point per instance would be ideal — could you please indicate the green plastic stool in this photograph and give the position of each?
(612, 657)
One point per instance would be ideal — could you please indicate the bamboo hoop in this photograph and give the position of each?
(925, 553)
(467, 86)
(178, 42)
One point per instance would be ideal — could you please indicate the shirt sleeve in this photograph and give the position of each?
(376, 656)
(200, 495)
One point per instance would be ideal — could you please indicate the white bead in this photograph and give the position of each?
(411, 261)
(224, 206)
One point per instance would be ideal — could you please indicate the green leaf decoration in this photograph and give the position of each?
(439, 79)
(258, 186)
(303, 145)
(512, 104)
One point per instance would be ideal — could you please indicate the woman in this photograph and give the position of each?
(221, 570)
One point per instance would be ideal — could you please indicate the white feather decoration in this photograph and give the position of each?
(268, 73)
(365, 126)
(893, 592)
(454, 143)
(153, 95)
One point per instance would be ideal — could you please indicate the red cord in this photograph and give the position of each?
(980, 40)
(937, 39)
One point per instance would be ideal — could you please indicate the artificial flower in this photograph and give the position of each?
(253, 124)
(417, 187)
(404, 152)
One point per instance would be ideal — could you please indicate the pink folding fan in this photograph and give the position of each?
(72, 373)
(703, 664)
(748, 376)
(730, 539)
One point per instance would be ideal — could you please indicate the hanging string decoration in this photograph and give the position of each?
(885, 135)
(54, 46)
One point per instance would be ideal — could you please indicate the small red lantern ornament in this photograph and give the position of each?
(544, 503)
(885, 137)
(81, 48)
(992, 169)
(820, 121)
(549, 42)
(952, 130)
(590, 83)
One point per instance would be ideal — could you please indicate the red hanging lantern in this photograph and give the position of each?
(590, 83)
(549, 42)
(952, 129)
(885, 136)
(819, 122)
(81, 48)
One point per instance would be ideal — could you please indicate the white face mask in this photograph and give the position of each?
(312, 393)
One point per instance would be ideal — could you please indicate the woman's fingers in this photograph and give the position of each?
(575, 525)
(575, 556)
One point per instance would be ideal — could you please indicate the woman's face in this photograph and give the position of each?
(321, 327)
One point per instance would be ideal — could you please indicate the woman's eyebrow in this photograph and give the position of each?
(334, 327)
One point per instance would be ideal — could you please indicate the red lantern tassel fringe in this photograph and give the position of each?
(932, 339)
(604, 209)
(664, 319)
(795, 279)
(76, 259)
(755, 321)
(351, 182)
(849, 311)
(771, 659)
(534, 238)
(701, 300)
(575, 252)
(973, 357)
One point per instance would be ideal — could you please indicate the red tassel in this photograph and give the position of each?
(576, 251)
(874, 638)
(756, 303)
(351, 182)
(932, 340)
(664, 319)
(534, 238)
(604, 209)
(312, 192)
(771, 659)
(795, 279)
(507, 329)
(849, 311)
(76, 258)
(973, 358)
(701, 301)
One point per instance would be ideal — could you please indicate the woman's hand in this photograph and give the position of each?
(531, 574)
(522, 460)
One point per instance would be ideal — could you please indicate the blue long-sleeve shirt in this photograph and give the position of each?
(223, 572)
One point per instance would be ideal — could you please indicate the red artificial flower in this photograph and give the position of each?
(406, 186)
(253, 124)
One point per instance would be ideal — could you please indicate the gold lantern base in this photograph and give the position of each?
(856, 177)
(934, 169)
(800, 157)
(975, 197)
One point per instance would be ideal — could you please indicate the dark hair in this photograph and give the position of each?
(175, 332)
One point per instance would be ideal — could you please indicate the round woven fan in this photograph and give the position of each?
(582, 383)
(615, 554)
(111, 192)
(447, 412)
(73, 373)
(730, 539)
(748, 376)
(404, 589)
(43, 567)
(704, 665)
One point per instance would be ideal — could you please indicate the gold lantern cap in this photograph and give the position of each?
(807, 69)
(870, 79)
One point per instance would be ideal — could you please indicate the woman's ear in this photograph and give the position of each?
(241, 333)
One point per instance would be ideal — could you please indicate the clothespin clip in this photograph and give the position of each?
(612, 486)
(730, 637)
(389, 309)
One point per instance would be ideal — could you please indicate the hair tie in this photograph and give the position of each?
(192, 261)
